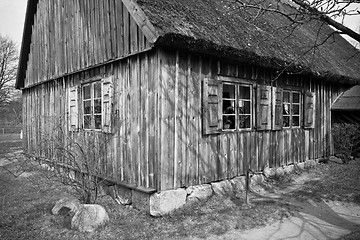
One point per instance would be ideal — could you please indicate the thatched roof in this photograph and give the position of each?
(220, 28)
(348, 101)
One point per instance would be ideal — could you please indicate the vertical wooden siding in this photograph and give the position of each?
(70, 35)
(157, 138)
(187, 157)
(131, 153)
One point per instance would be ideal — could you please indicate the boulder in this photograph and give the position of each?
(279, 172)
(167, 201)
(72, 204)
(199, 192)
(89, 217)
(335, 160)
(238, 184)
(222, 188)
(268, 172)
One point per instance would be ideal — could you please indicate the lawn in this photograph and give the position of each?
(26, 203)
(9, 143)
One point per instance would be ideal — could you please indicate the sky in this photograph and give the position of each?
(12, 16)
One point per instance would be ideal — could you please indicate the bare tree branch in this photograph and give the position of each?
(8, 67)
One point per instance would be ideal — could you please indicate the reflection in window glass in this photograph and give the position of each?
(286, 108)
(237, 106)
(244, 107)
(87, 107)
(97, 121)
(97, 90)
(296, 97)
(97, 106)
(87, 122)
(244, 121)
(244, 92)
(291, 108)
(296, 121)
(286, 121)
(87, 92)
(286, 96)
(296, 109)
(228, 106)
(92, 106)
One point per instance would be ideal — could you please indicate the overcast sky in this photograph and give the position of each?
(12, 15)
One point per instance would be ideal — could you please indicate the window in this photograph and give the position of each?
(228, 105)
(236, 106)
(92, 105)
(291, 108)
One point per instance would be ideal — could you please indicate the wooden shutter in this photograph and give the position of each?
(277, 108)
(107, 95)
(309, 110)
(263, 121)
(212, 102)
(73, 109)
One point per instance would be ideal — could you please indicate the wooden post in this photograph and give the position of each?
(247, 187)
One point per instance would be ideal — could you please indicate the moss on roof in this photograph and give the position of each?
(220, 28)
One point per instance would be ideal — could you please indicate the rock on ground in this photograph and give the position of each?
(89, 217)
(72, 204)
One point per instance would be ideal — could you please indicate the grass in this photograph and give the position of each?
(337, 182)
(9, 143)
(26, 204)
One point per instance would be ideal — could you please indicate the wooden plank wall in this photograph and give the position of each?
(188, 158)
(157, 138)
(70, 35)
(131, 151)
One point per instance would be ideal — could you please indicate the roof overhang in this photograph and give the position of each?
(26, 42)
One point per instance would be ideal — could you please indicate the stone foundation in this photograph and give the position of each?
(162, 203)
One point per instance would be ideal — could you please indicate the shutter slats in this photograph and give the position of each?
(212, 93)
(309, 108)
(107, 95)
(73, 109)
(263, 107)
(277, 108)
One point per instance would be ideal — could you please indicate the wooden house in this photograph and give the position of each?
(346, 108)
(187, 92)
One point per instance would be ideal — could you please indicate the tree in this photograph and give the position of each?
(8, 68)
(308, 10)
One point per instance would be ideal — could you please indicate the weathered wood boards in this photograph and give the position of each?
(69, 36)
(157, 138)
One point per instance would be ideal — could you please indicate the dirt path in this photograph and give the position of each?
(25, 210)
(316, 219)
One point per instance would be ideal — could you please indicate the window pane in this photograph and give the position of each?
(286, 96)
(97, 90)
(244, 92)
(87, 107)
(87, 121)
(244, 121)
(86, 92)
(286, 109)
(97, 106)
(229, 91)
(296, 121)
(296, 109)
(228, 107)
(97, 121)
(286, 121)
(228, 122)
(244, 107)
(296, 97)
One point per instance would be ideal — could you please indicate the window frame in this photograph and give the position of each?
(92, 104)
(291, 104)
(237, 83)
